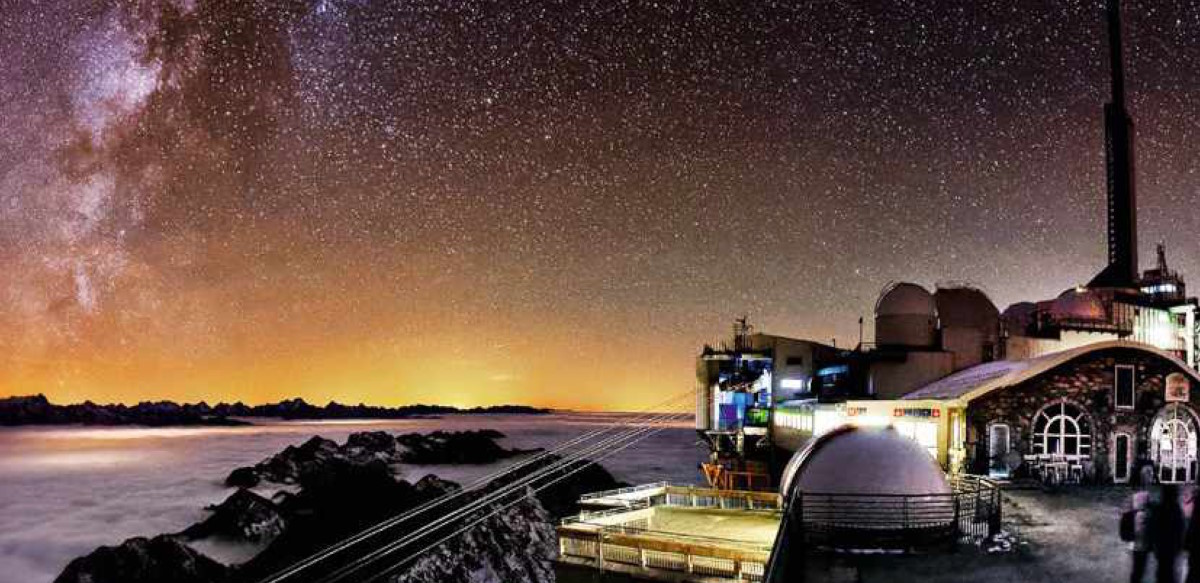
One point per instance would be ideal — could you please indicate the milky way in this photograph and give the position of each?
(553, 203)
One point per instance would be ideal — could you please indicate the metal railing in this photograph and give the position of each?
(667, 494)
(623, 491)
(648, 549)
(970, 512)
(591, 538)
(589, 516)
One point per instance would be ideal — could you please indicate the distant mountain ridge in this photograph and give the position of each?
(38, 410)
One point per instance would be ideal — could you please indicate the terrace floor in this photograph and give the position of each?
(1068, 536)
(757, 527)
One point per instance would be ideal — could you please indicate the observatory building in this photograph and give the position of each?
(901, 443)
(1088, 385)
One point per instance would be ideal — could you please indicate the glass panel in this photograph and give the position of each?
(999, 440)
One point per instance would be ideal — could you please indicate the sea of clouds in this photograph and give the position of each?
(66, 491)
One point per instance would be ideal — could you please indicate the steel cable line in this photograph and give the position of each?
(478, 483)
(379, 528)
(476, 522)
(488, 499)
(628, 437)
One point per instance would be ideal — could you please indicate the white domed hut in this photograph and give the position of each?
(864, 460)
(866, 488)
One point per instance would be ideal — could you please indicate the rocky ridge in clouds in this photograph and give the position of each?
(313, 456)
(330, 491)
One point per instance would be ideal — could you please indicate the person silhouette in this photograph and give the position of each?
(1191, 543)
(1138, 536)
(1166, 533)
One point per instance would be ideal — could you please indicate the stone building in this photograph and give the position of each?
(1096, 412)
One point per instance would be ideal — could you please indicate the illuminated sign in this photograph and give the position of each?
(1178, 387)
(855, 411)
(916, 412)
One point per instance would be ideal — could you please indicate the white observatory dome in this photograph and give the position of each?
(864, 460)
(905, 315)
(905, 299)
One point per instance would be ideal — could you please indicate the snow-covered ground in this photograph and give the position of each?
(65, 491)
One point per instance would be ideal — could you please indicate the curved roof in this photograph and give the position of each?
(979, 380)
(864, 460)
(905, 299)
(1080, 305)
(965, 307)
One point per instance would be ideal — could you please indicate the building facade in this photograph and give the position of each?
(1101, 411)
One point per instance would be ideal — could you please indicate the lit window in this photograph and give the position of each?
(1062, 429)
(1124, 387)
(792, 383)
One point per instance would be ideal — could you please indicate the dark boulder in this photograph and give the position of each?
(433, 486)
(242, 478)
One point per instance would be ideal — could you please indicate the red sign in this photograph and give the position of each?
(917, 412)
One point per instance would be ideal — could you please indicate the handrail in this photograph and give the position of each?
(625, 490)
(583, 517)
(844, 520)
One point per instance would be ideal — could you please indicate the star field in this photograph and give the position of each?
(543, 202)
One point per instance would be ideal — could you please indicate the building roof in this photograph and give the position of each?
(904, 299)
(979, 380)
(965, 307)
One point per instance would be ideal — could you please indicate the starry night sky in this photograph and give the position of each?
(541, 202)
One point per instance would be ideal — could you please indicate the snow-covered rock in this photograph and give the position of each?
(244, 516)
(515, 545)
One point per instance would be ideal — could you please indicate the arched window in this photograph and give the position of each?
(1062, 429)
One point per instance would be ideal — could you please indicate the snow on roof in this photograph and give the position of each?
(979, 380)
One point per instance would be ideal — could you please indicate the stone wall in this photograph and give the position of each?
(1087, 382)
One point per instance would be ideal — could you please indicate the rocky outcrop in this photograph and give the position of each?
(289, 465)
(458, 447)
(375, 447)
(140, 560)
(244, 516)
